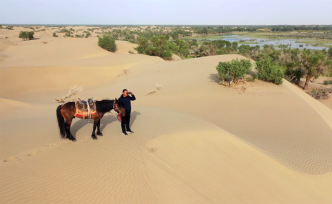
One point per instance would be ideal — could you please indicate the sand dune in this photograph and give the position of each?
(195, 141)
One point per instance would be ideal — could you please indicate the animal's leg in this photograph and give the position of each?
(68, 133)
(94, 130)
(98, 129)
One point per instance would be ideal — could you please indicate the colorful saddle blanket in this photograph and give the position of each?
(85, 109)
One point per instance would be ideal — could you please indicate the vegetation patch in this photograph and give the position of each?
(327, 82)
(268, 71)
(233, 71)
(321, 93)
(107, 42)
(26, 35)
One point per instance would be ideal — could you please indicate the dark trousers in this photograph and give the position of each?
(125, 122)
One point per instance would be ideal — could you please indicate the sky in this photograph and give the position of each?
(167, 12)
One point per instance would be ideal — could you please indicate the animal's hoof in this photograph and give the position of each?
(74, 140)
(94, 137)
(100, 134)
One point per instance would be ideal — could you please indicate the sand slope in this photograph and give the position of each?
(195, 141)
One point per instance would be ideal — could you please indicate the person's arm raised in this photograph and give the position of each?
(132, 97)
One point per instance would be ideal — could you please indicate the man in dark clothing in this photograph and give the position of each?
(126, 97)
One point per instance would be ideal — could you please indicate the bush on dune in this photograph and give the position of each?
(234, 70)
(26, 35)
(268, 71)
(320, 93)
(158, 46)
(107, 42)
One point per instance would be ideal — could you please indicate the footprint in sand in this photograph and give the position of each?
(152, 149)
(50, 145)
(11, 158)
(32, 153)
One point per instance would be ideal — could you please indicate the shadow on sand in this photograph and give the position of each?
(104, 122)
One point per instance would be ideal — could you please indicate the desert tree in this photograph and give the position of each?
(143, 43)
(26, 35)
(330, 52)
(314, 64)
(269, 71)
(235, 70)
(107, 42)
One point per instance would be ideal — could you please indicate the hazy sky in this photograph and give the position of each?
(161, 12)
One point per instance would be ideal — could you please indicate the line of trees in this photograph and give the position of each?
(272, 64)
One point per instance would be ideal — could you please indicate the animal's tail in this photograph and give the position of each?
(61, 122)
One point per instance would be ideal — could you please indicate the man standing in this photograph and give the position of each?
(126, 97)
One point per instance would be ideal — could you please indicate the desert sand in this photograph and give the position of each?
(195, 140)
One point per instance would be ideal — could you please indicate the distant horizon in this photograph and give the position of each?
(166, 12)
(18, 24)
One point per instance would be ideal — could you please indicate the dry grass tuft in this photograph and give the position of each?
(73, 91)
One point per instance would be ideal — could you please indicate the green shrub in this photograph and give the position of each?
(253, 77)
(0, 26)
(26, 35)
(268, 71)
(234, 70)
(107, 42)
(329, 51)
(327, 82)
(55, 35)
(10, 27)
(158, 46)
(87, 34)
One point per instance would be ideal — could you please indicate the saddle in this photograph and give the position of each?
(85, 109)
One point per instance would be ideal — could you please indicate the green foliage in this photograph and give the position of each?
(245, 50)
(107, 42)
(235, 69)
(327, 82)
(55, 35)
(158, 46)
(222, 51)
(330, 52)
(143, 43)
(234, 45)
(10, 27)
(254, 75)
(314, 65)
(268, 71)
(87, 34)
(67, 34)
(183, 48)
(26, 35)
(0, 26)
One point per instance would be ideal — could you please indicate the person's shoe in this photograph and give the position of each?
(124, 133)
(130, 131)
